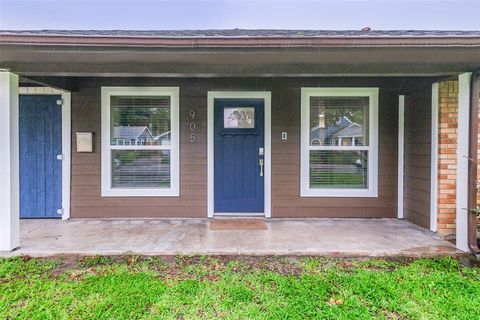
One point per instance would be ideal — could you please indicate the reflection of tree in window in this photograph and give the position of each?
(139, 112)
(338, 121)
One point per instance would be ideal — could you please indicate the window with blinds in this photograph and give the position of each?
(140, 141)
(339, 121)
(339, 142)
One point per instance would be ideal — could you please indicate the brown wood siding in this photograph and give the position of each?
(286, 202)
(418, 117)
(86, 201)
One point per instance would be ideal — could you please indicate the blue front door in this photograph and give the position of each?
(239, 155)
(40, 124)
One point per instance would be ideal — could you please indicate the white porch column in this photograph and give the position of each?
(462, 161)
(9, 166)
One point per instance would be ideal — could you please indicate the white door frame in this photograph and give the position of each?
(266, 96)
(66, 141)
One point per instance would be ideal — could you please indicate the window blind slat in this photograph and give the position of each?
(338, 169)
(140, 168)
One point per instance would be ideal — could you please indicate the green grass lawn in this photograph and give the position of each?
(132, 287)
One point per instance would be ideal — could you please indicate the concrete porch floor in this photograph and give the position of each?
(329, 237)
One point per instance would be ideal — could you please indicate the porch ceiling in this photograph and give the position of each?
(239, 53)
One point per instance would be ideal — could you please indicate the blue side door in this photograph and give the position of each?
(40, 124)
(239, 155)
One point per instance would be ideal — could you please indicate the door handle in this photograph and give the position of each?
(260, 162)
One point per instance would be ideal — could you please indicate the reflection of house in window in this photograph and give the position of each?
(349, 136)
(132, 136)
(343, 133)
(163, 139)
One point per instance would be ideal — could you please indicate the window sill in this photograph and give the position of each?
(140, 193)
(339, 193)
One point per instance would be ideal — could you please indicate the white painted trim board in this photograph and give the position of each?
(401, 154)
(9, 162)
(462, 161)
(434, 161)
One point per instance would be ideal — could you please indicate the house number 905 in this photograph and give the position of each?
(193, 126)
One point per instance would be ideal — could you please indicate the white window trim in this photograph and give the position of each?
(372, 190)
(107, 190)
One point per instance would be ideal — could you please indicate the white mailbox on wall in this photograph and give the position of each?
(84, 141)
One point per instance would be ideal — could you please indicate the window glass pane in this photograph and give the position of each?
(346, 142)
(338, 121)
(140, 120)
(140, 168)
(239, 118)
(338, 169)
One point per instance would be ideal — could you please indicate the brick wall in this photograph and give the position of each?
(447, 159)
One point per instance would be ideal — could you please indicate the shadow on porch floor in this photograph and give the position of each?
(329, 237)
